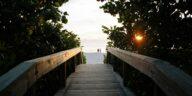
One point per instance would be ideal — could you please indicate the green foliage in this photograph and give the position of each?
(117, 36)
(165, 25)
(30, 29)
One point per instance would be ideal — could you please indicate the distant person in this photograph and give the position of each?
(98, 50)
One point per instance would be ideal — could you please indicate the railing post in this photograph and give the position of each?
(125, 74)
(108, 58)
(155, 93)
(81, 57)
(62, 73)
(120, 66)
(73, 64)
(112, 61)
(65, 72)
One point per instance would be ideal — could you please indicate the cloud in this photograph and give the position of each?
(85, 19)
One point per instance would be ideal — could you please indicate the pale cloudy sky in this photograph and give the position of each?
(85, 19)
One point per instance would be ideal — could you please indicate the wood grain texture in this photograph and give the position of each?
(19, 79)
(93, 80)
(173, 81)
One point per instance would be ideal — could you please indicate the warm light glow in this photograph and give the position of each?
(139, 37)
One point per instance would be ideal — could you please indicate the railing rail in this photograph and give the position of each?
(173, 81)
(18, 80)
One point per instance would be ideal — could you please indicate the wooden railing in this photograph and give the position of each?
(171, 80)
(41, 76)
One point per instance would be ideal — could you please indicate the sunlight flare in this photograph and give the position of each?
(138, 37)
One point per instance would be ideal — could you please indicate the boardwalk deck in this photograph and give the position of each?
(93, 80)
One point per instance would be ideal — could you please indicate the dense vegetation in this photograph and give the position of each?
(30, 29)
(164, 24)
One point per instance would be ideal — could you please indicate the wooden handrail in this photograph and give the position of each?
(173, 81)
(19, 79)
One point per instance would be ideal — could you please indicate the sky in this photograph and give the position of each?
(86, 19)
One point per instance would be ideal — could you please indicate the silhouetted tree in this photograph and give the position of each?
(30, 29)
(165, 25)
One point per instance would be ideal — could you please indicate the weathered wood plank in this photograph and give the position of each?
(173, 81)
(19, 79)
(93, 80)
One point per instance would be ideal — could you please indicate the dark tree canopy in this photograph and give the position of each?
(30, 29)
(165, 25)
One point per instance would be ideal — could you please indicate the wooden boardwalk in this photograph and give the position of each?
(43, 76)
(93, 80)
